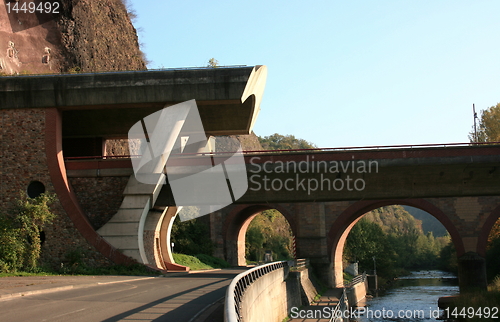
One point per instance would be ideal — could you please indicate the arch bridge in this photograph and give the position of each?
(324, 192)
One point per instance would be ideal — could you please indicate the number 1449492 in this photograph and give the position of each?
(32, 7)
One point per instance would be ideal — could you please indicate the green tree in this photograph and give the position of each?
(191, 237)
(366, 241)
(448, 258)
(284, 142)
(395, 238)
(20, 228)
(269, 230)
(254, 243)
(488, 129)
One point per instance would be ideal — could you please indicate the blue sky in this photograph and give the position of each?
(343, 73)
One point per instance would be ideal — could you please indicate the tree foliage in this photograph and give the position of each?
(284, 142)
(269, 231)
(20, 230)
(191, 237)
(395, 239)
(213, 63)
(488, 129)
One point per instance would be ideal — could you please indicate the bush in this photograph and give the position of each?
(20, 229)
(191, 237)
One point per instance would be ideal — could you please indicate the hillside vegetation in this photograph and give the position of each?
(396, 240)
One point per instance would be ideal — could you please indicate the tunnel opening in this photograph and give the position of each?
(492, 248)
(268, 238)
(407, 243)
(277, 238)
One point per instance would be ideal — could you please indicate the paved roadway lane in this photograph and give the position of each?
(173, 299)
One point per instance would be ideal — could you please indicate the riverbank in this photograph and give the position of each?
(479, 306)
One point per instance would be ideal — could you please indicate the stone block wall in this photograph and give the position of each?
(23, 160)
(99, 197)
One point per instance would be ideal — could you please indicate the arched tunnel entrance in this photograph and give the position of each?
(339, 233)
(489, 244)
(237, 226)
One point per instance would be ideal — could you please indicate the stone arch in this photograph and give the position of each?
(482, 241)
(341, 227)
(235, 227)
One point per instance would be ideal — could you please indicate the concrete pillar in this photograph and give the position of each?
(337, 272)
(472, 273)
(216, 223)
(232, 252)
(311, 240)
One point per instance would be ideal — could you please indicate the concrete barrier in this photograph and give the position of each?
(357, 289)
(267, 293)
(265, 299)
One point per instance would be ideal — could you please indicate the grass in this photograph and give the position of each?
(200, 261)
(479, 301)
(40, 273)
(135, 270)
(347, 278)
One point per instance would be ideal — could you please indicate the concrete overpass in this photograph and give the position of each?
(45, 118)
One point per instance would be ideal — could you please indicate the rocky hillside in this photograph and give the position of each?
(228, 143)
(82, 35)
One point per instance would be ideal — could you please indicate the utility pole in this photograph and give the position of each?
(475, 117)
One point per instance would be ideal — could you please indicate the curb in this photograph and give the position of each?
(11, 296)
(173, 274)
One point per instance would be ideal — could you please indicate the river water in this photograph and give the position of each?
(411, 298)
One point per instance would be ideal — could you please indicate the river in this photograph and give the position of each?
(411, 298)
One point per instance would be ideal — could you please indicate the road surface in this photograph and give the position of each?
(173, 299)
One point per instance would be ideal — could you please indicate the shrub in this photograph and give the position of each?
(20, 228)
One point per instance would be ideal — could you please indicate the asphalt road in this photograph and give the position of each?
(173, 299)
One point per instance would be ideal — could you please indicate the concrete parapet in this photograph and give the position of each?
(357, 292)
(268, 295)
(265, 298)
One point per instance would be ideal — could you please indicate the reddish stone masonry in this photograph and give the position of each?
(99, 197)
(23, 160)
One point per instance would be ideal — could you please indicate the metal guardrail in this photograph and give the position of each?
(339, 312)
(128, 71)
(342, 306)
(356, 280)
(299, 263)
(236, 289)
(339, 149)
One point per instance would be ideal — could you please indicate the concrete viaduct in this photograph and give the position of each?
(322, 193)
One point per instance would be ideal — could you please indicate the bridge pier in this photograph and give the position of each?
(322, 268)
(472, 273)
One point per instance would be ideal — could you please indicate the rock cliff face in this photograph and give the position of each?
(227, 143)
(75, 35)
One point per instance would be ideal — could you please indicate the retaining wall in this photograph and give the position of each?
(271, 297)
(357, 293)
